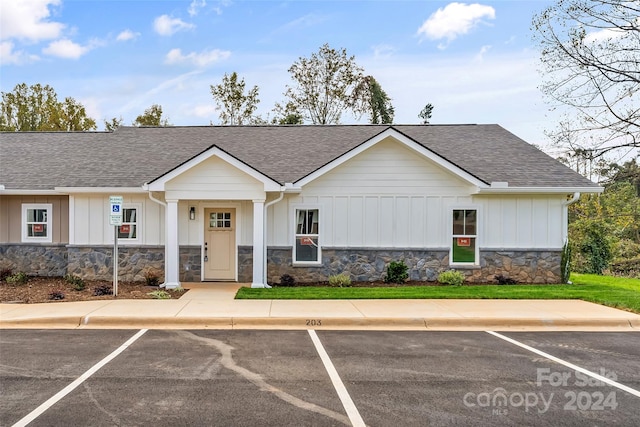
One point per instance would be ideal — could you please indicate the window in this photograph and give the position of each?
(36, 222)
(306, 248)
(465, 226)
(220, 220)
(129, 227)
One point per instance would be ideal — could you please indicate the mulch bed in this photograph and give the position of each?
(41, 289)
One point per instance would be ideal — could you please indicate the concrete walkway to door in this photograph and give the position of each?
(212, 305)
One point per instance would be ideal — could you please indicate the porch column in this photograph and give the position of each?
(172, 247)
(258, 244)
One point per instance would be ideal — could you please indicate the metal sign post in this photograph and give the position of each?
(115, 219)
(115, 261)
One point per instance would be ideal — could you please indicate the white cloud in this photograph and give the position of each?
(484, 49)
(166, 25)
(604, 34)
(28, 19)
(201, 59)
(454, 20)
(65, 48)
(195, 7)
(127, 35)
(382, 51)
(10, 56)
(204, 111)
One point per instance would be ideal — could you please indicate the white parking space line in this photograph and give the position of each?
(68, 389)
(347, 403)
(568, 364)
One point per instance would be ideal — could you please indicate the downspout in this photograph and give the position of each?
(565, 213)
(264, 237)
(163, 204)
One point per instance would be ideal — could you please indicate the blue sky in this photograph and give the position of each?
(475, 61)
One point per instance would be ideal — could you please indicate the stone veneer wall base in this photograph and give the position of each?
(96, 262)
(363, 264)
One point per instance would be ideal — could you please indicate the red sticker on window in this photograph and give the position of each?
(38, 228)
(125, 228)
(307, 241)
(464, 241)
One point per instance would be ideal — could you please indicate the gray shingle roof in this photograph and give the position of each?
(132, 156)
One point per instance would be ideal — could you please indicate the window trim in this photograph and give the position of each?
(294, 225)
(476, 236)
(138, 223)
(25, 235)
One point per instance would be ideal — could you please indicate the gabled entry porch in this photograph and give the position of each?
(217, 204)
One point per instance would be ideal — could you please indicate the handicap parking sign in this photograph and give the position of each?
(115, 215)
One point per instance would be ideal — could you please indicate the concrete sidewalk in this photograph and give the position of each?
(212, 305)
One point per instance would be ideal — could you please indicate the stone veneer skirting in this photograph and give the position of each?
(95, 262)
(369, 264)
(363, 264)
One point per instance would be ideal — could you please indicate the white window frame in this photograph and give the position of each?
(294, 226)
(474, 236)
(138, 223)
(25, 235)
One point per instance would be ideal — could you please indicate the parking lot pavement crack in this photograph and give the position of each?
(116, 421)
(29, 373)
(227, 361)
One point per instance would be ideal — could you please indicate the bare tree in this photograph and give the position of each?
(590, 53)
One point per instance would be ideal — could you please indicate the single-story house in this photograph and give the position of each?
(252, 203)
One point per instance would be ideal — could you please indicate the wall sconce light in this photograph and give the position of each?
(192, 213)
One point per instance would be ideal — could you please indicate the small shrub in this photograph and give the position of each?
(4, 273)
(159, 294)
(75, 281)
(17, 278)
(178, 290)
(504, 280)
(397, 272)
(627, 268)
(342, 280)
(287, 280)
(565, 263)
(56, 295)
(151, 278)
(102, 290)
(451, 277)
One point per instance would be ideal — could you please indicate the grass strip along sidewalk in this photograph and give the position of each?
(614, 292)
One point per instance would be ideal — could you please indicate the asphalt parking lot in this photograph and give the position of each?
(319, 378)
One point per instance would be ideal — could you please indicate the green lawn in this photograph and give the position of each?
(611, 291)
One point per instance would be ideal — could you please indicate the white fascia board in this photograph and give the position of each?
(409, 143)
(101, 190)
(540, 190)
(159, 183)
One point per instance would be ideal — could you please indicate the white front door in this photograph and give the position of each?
(220, 244)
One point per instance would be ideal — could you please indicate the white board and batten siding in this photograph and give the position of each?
(386, 197)
(522, 222)
(90, 213)
(214, 179)
(391, 197)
